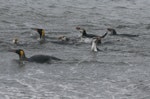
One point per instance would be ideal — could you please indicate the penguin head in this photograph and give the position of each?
(40, 31)
(63, 38)
(15, 41)
(112, 31)
(82, 30)
(20, 52)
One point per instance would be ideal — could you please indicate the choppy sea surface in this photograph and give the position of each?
(121, 70)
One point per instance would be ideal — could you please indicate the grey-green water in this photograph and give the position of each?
(120, 70)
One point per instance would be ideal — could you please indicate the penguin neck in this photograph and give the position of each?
(41, 33)
(41, 40)
(42, 36)
(113, 32)
(84, 33)
(23, 58)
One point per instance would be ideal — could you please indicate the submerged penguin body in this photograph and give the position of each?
(35, 58)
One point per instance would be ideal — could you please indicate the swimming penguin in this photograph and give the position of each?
(94, 44)
(41, 32)
(35, 58)
(70, 40)
(113, 32)
(64, 40)
(85, 35)
(15, 41)
(61, 40)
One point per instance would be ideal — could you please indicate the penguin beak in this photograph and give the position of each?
(34, 29)
(12, 50)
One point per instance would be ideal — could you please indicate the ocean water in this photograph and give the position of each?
(120, 70)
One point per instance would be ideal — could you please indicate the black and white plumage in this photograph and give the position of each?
(94, 44)
(87, 38)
